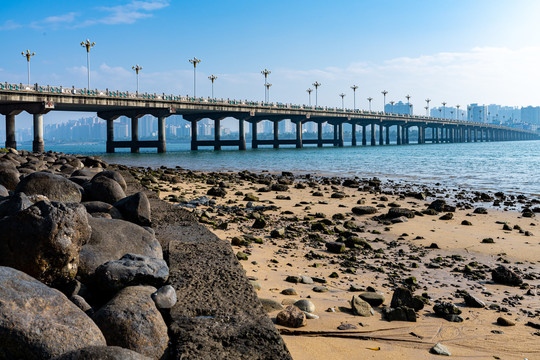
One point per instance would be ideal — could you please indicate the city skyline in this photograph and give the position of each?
(484, 60)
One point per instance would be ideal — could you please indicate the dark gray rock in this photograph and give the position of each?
(291, 316)
(95, 207)
(102, 353)
(81, 303)
(373, 298)
(54, 187)
(112, 239)
(135, 208)
(104, 189)
(396, 212)
(270, 305)
(402, 313)
(472, 301)
(364, 210)
(335, 247)
(439, 349)
(361, 307)
(441, 206)
(505, 322)
(480, 210)
(3, 191)
(502, 275)
(9, 176)
(14, 204)
(445, 309)
(114, 175)
(44, 240)
(132, 321)
(165, 297)
(37, 322)
(305, 305)
(217, 191)
(131, 270)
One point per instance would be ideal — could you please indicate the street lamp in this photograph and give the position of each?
(354, 87)
(268, 91)
(194, 61)
(392, 104)
(457, 112)
(427, 106)
(384, 92)
(444, 110)
(88, 45)
(309, 95)
(265, 72)
(342, 100)
(137, 68)
(409, 103)
(28, 55)
(212, 78)
(316, 84)
(369, 99)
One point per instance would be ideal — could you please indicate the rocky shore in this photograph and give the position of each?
(94, 266)
(358, 268)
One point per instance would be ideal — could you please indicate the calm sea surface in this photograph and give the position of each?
(502, 166)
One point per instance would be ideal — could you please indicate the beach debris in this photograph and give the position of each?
(440, 349)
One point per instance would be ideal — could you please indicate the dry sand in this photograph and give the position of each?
(474, 338)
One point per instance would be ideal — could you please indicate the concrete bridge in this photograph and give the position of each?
(110, 105)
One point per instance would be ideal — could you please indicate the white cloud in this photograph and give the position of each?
(65, 18)
(131, 12)
(9, 25)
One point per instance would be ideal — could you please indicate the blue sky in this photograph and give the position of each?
(456, 51)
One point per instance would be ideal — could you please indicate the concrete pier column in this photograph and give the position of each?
(10, 132)
(469, 135)
(340, 134)
(353, 133)
(134, 134)
(364, 136)
(336, 135)
(437, 139)
(381, 134)
(405, 135)
(110, 136)
(38, 145)
(420, 141)
(388, 135)
(299, 143)
(398, 134)
(373, 142)
(319, 134)
(162, 144)
(254, 144)
(217, 134)
(276, 134)
(241, 135)
(194, 144)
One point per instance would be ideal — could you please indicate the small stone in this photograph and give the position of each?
(440, 349)
(466, 223)
(454, 318)
(256, 285)
(320, 289)
(445, 309)
(291, 316)
(241, 256)
(306, 280)
(270, 305)
(165, 297)
(488, 241)
(505, 322)
(289, 291)
(346, 326)
(372, 298)
(335, 247)
(480, 210)
(447, 216)
(356, 288)
(361, 307)
(294, 279)
(472, 301)
(305, 305)
(311, 316)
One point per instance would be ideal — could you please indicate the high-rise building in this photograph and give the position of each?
(399, 108)
(477, 113)
(530, 115)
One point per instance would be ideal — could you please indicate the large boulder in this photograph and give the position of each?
(102, 353)
(44, 240)
(54, 187)
(37, 322)
(9, 175)
(131, 270)
(291, 316)
(104, 189)
(14, 204)
(111, 174)
(111, 239)
(503, 275)
(3, 191)
(100, 207)
(132, 321)
(135, 208)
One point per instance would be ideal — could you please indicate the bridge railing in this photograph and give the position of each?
(189, 99)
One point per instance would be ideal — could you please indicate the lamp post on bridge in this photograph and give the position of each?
(457, 112)
(384, 92)
(369, 99)
(444, 109)
(265, 72)
(316, 84)
(137, 68)
(427, 106)
(268, 91)
(392, 106)
(212, 78)
(409, 103)
(309, 95)
(88, 45)
(194, 61)
(342, 100)
(28, 55)
(354, 87)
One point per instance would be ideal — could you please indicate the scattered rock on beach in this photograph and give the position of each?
(361, 307)
(502, 275)
(305, 305)
(291, 316)
(54, 187)
(439, 349)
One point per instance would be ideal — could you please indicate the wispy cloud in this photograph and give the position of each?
(62, 19)
(128, 13)
(9, 25)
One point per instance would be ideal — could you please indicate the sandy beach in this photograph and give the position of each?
(437, 259)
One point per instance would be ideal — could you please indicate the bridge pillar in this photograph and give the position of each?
(405, 135)
(353, 133)
(38, 145)
(373, 142)
(162, 144)
(420, 139)
(299, 143)
(398, 134)
(437, 131)
(469, 134)
(364, 136)
(335, 135)
(388, 135)
(10, 132)
(276, 134)
(254, 144)
(381, 134)
(194, 144)
(110, 136)
(134, 134)
(340, 135)
(217, 134)
(319, 134)
(241, 135)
